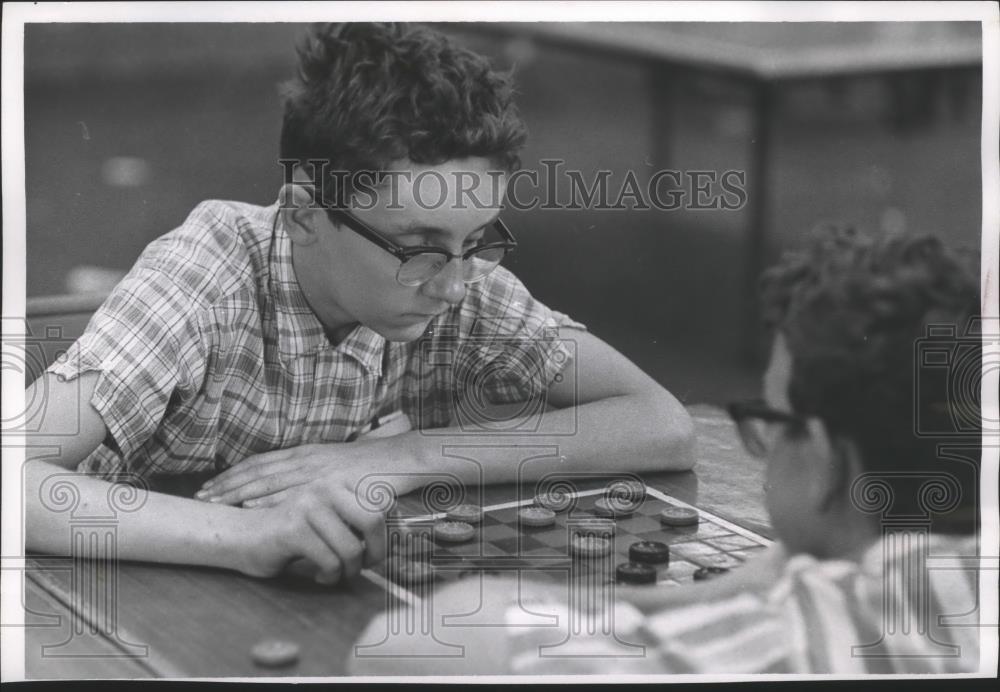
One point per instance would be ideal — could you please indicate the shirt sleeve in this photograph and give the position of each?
(512, 349)
(597, 642)
(147, 347)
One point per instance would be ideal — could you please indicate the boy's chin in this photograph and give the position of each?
(403, 333)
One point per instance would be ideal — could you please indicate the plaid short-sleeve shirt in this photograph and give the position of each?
(207, 352)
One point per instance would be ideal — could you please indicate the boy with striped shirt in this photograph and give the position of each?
(874, 571)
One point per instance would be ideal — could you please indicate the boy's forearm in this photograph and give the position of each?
(626, 433)
(156, 527)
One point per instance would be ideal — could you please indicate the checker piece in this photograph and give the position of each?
(554, 499)
(649, 552)
(411, 572)
(703, 573)
(416, 546)
(274, 653)
(537, 516)
(679, 516)
(635, 573)
(454, 531)
(590, 546)
(635, 488)
(630, 492)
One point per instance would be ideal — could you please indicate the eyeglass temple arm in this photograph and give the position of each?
(363, 230)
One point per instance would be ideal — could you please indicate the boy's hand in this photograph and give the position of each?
(321, 525)
(265, 474)
(266, 480)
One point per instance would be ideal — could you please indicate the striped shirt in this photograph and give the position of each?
(207, 352)
(918, 615)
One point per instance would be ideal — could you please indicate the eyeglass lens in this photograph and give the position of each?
(756, 436)
(425, 266)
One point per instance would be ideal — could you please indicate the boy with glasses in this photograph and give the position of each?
(863, 490)
(290, 355)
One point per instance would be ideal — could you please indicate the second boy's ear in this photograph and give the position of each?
(836, 461)
(302, 217)
(823, 463)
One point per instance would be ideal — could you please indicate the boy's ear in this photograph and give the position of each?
(300, 213)
(836, 461)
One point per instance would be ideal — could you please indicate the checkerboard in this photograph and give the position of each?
(503, 544)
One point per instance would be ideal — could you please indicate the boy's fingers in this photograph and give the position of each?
(252, 490)
(325, 565)
(375, 547)
(329, 576)
(370, 525)
(253, 467)
(268, 457)
(259, 487)
(272, 499)
(225, 500)
(335, 533)
(241, 474)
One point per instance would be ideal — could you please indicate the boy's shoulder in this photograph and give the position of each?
(500, 305)
(497, 295)
(220, 249)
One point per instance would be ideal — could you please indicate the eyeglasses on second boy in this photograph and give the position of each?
(753, 419)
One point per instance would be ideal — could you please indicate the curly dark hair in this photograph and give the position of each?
(367, 94)
(853, 308)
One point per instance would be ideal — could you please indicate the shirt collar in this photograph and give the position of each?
(300, 332)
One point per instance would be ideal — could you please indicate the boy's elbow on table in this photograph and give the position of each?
(674, 440)
(660, 432)
(681, 444)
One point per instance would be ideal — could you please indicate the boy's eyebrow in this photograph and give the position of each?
(414, 227)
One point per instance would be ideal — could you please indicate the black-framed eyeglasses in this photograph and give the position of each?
(420, 264)
(751, 418)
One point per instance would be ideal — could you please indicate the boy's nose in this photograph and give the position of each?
(447, 285)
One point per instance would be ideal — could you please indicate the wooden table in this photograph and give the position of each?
(169, 621)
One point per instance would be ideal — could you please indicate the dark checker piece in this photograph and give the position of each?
(678, 516)
(703, 573)
(649, 552)
(635, 573)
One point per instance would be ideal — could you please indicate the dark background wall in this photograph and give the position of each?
(129, 126)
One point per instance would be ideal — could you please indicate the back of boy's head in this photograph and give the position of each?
(853, 310)
(368, 94)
